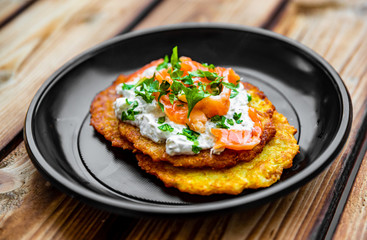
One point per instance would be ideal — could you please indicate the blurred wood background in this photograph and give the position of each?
(38, 36)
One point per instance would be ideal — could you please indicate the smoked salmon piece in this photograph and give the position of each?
(239, 139)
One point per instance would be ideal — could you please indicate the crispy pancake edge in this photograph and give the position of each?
(264, 170)
(103, 117)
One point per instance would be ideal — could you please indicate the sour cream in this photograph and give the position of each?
(176, 144)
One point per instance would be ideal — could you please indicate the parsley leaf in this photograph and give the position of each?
(166, 128)
(177, 87)
(127, 86)
(236, 117)
(210, 66)
(211, 76)
(187, 80)
(233, 87)
(128, 102)
(249, 97)
(176, 73)
(161, 119)
(196, 149)
(163, 90)
(130, 113)
(193, 96)
(148, 86)
(234, 93)
(221, 121)
(164, 64)
(215, 119)
(172, 98)
(189, 134)
(193, 137)
(175, 63)
(230, 121)
(142, 80)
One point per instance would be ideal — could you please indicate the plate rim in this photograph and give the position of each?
(136, 208)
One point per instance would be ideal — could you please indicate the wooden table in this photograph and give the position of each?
(37, 37)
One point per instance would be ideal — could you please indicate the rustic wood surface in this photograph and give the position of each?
(42, 35)
(10, 8)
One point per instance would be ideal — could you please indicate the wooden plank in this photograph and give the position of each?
(9, 8)
(44, 37)
(352, 224)
(30, 208)
(246, 12)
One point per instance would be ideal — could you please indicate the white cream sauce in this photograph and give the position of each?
(147, 120)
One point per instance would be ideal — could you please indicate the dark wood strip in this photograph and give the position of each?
(144, 13)
(276, 15)
(354, 161)
(15, 10)
(11, 145)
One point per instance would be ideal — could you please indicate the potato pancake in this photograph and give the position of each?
(262, 171)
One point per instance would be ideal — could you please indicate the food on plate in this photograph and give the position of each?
(196, 126)
(262, 171)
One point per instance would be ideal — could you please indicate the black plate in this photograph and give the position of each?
(70, 154)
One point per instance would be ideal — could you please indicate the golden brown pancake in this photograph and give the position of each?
(262, 171)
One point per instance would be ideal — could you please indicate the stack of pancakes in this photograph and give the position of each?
(228, 173)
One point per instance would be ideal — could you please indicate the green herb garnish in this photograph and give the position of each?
(176, 73)
(166, 128)
(190, 134)
(210, 66)
(164, 64)
(220, 121)
(193, 137)
(147, 86)
(233, 87)
(211, 76)
(161, 119)
(172, 98)
(128, 102)
(230, 121)
(163, 90)
(127, 86)
(130, 113)
(215, 119)
(193, 96)
(236, 117)
(175, 62)
(187, 80)
(196, 149)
